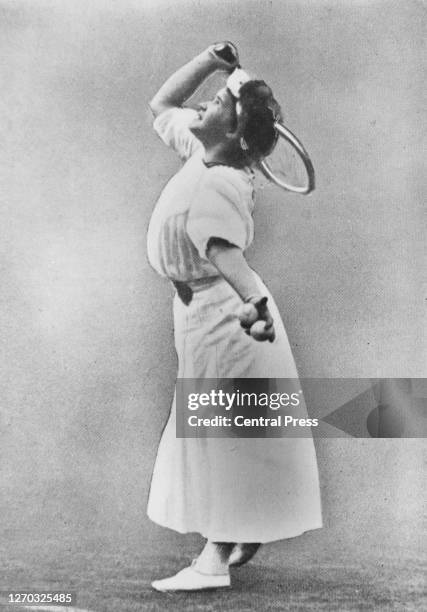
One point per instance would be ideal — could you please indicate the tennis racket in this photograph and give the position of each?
(289, 165)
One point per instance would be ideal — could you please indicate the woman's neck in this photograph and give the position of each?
(218, 155)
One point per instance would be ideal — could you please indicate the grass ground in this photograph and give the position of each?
(113, 573)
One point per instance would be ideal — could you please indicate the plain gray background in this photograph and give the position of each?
(88, 363)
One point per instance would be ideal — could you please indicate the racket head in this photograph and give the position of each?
(289, 166)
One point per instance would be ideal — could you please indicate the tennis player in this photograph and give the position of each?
(238, 493)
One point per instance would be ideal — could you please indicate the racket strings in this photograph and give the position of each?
(286, 164)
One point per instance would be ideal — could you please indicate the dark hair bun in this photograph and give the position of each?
(259, 113)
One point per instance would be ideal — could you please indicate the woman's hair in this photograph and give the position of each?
(259, 112)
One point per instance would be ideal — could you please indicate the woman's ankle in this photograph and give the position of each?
(214, 558)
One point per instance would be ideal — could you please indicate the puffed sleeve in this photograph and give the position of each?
(172, 127)
(218, 211)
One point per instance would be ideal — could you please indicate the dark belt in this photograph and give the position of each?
(185, 290)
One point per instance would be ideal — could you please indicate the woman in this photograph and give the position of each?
(237, 493)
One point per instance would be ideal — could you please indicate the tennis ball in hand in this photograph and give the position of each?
(258, 331)
(248, 315)
(261, 331)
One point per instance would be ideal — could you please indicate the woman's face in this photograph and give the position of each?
(215, 118)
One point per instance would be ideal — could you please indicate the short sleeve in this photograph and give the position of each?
(217, 212)
(172, 127)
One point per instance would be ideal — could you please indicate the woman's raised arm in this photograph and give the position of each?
(184, 82)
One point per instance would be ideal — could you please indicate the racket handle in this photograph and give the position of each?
(226, 51)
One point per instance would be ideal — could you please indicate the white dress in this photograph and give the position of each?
(227, 489)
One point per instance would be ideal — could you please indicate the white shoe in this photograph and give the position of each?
(189, 579)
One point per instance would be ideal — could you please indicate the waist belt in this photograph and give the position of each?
(186, 289)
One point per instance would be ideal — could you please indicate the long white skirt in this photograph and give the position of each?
(232, 489)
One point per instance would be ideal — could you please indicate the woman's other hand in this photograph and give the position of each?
(256, 319)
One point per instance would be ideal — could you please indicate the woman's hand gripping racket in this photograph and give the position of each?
(226, 55)
(289, 165)
(256, 320)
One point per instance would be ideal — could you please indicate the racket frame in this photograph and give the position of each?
(286, 133)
